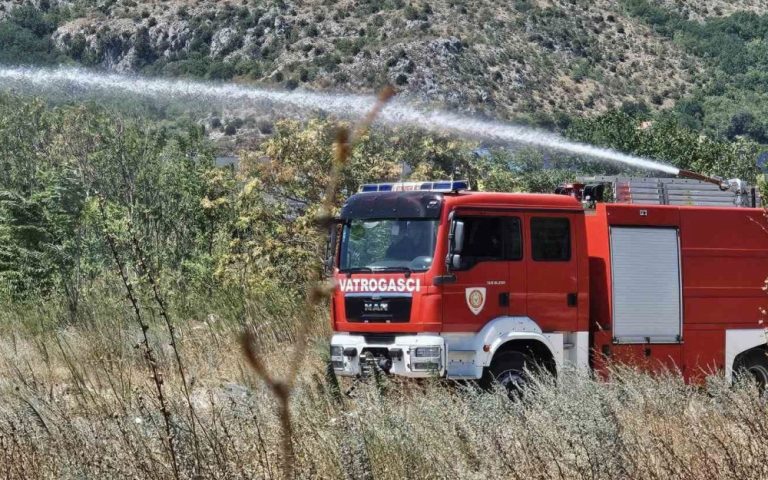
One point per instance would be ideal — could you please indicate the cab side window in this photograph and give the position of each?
(488, 239)
(483, 237)
(551, 239)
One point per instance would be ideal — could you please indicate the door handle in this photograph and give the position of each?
(504, 299)
(573, 299)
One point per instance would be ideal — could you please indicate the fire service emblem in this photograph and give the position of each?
(475, 299)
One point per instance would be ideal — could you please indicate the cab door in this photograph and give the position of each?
(490, 280)
(552, 271)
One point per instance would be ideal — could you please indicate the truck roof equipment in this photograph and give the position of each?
(438, 186)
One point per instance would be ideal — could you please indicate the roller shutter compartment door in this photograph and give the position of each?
(645, 265)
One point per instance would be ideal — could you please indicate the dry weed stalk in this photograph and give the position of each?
(148, 354)
(282, 388)
(147, 270)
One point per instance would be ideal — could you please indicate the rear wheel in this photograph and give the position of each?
(511, 371)
(754, 366)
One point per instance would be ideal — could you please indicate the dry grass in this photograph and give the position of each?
(77, 401)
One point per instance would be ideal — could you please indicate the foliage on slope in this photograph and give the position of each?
(731, 100)
(544, 57)
(545, 61)
(71, 175)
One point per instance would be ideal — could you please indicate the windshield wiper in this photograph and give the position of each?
(351, 270)
(393, 269)
(404, 269)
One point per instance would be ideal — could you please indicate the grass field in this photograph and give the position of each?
(79, 401)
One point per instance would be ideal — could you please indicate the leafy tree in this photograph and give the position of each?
(735, 50)
(25, 35)
(745, 123)
(54, 166)
(665, 140)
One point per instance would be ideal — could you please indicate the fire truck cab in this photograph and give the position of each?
(433, 279)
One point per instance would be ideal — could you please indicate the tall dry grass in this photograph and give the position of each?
(157, 387)
(77, 401)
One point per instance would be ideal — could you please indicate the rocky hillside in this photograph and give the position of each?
(475, 55)
(549, 58)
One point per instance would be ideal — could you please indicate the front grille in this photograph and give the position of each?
(379, 339)
(377, 309)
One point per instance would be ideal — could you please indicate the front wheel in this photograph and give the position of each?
(511, 371)
(754, 366)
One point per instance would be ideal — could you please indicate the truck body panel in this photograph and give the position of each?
(724, 261)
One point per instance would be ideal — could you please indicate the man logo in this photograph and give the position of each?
(475, 299)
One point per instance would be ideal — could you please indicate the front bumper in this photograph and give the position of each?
(399, 349)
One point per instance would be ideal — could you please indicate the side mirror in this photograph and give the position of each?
(331, 247)
(455, 261)
(457, 243)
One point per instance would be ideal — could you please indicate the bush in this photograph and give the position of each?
(312, 31)
(21, 46)
(220, 70)
(30, 18)
(666, 139)
(25, 36)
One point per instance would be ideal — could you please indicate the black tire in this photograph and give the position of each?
(511, 371)
(754, 366)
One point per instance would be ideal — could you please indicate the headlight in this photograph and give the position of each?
(427, 352)
(336, 350)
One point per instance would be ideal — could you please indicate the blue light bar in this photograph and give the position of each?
(439, 186)
(460, 185)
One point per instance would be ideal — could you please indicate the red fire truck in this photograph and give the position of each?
(434, 279)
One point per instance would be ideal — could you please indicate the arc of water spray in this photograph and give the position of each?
(396, 113)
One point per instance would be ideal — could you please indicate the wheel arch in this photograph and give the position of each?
(740, 356)
(518, 333)
(739, 343)
(536, 348)
(753, 362)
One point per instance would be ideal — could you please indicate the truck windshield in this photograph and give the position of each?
(388, 244)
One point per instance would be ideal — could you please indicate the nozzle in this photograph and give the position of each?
(722, 184)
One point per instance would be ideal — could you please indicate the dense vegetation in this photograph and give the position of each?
(72, 175)
(85, 390)
(25, 35)
(732, 102)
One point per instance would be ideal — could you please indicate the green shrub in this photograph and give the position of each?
(25, 35)
(19, 45)
(30, 18)
(220, 70)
